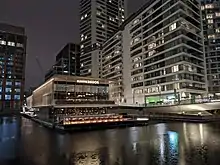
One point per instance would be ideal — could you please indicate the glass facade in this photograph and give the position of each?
(67, 62)
(12, 66)
(76, 93)
(67, 90)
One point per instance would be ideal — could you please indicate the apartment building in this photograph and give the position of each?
(161, 56)
(99, 19)
(211, 27)
(112, 64)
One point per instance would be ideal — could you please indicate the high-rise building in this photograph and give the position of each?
(99, 19)
(12, 66)
(211, 28)
(67, 62)
(158, 54)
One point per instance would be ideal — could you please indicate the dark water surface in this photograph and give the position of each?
(23, 142)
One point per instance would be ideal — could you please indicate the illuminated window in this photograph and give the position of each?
(117, 52)
(19, 45)
(136, 21)
(209, 6)
(175, 68)
(17, 83)
(210, 26)
(0, 89)
(98, 13)
(10, 63)
(8, 83)
(111, 19)
(209, 16)
(217, 14)
(109, 56)
(138, 91)
(210, 20)
(7, 90)
(217, 30)
(137, 65)
(202, 7)
(11, 43)
(137, 59)
(152, 45)
(151, 53)
(17, 97)
(10, 59)
(137, 39)
(117, 67)
(172, 27)
(2, 42)
(17, 90)
(7, 97)
(211, 36)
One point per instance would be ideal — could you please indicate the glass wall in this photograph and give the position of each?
(76, 93)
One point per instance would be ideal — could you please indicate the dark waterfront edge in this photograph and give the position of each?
(104, 126)
(86, 127)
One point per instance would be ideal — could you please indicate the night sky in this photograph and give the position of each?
(49, 24)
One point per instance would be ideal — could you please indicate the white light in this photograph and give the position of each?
(3, 42)
(142, 119)
(11, 43)
(87, 81)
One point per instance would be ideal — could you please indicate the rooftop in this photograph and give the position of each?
(12, 29)
(78, 79)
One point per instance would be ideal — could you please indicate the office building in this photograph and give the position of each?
(211, 28)
(99, 19)
(12, 66)
(67, 62)
(158, 54)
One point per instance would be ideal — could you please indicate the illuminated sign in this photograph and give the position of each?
(88, 81)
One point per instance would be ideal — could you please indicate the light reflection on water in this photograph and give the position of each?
(25, 142)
